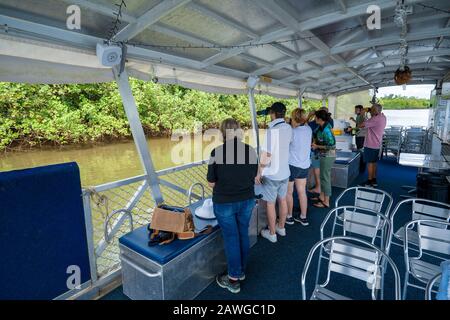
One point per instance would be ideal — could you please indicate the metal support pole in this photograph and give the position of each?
(251, 84)
(300, 98)
(332, 105)
(90, 236)
(138, 133)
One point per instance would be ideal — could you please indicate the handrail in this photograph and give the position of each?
(126, 208)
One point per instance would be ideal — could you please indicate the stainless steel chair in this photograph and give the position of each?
(420, 209)
(429, 288)
(392, 140)
(415, 140)
(367, 198)
(433, 237)
(360, 223)
(353, 258)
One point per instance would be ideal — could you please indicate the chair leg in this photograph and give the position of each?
(405, 287)
(318, 266)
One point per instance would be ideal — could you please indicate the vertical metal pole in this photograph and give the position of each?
(332, 105)
(251, 82)
(138, 133)
(446, 123)
(90, 235)
(300, 98)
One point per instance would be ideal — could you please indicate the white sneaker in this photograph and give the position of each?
(280, 231)
(265, 233)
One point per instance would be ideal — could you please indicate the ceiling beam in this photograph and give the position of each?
(193, 39)
(226, 21)
(420, 35)
(316, 22)
(413, 67)
(351, 12)
(439, 41)
(106, 10)
(417, 54)
(226, 54)
(361, 45)
(147, 19)
(341, 5)
(78, 40)
(291, 22)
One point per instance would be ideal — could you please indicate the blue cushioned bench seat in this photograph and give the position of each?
(137, 240)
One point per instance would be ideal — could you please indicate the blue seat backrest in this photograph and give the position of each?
(42, 231)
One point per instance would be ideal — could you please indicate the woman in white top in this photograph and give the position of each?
(299, 163)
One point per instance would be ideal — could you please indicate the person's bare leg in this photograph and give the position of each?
(300, 185)
(374, 170)
(271, 216)
(311, 178)
(317, 188)
(370, 170)
(326, 200)
(282, 206)
(290, 199)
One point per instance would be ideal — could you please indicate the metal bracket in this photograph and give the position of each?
(126, 212)
(192, 188)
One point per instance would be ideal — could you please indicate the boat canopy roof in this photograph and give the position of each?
(309, 47)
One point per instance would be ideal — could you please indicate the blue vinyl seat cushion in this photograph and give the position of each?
(137, 240)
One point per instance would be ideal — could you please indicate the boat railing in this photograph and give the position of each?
(113, 209)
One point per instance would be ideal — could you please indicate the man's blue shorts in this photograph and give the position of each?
(371, 155)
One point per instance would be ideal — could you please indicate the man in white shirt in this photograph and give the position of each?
(273, 173)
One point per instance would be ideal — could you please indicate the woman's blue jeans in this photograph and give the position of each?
(234, 220)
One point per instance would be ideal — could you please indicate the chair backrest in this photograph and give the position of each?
(367, 198)
(355, 258)
(423, 209)
(359, 222)
(434, 238)
(353, 261)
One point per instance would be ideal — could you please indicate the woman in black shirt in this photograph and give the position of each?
(231, 173)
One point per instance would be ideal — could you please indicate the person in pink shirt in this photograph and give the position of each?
(372, 143)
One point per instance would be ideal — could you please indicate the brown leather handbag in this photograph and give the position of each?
(169, 223)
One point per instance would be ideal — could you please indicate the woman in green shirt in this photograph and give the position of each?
(324, 144)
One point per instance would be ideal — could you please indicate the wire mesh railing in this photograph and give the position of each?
(112, 202)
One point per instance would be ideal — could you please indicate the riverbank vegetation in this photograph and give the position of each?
(35, 115)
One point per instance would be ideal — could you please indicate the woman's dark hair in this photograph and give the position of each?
(323, 115)
(360, 107)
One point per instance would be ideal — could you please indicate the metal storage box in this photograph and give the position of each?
(182, 277)
(345, 169)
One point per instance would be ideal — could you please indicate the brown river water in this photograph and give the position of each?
(110, 162)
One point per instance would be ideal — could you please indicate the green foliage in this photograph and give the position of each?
(33, 115)
(394, 102)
